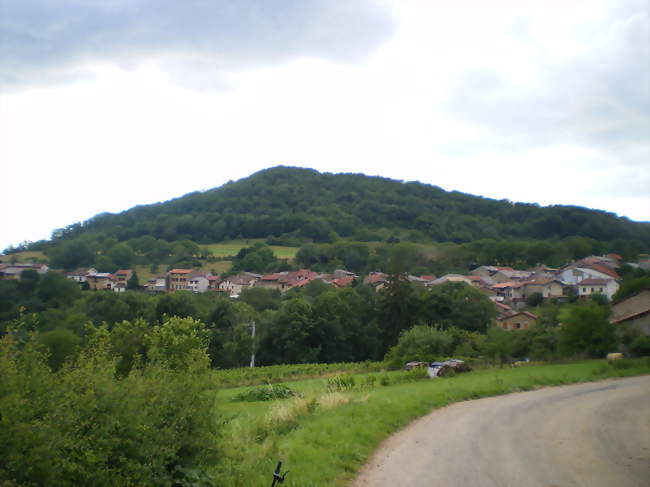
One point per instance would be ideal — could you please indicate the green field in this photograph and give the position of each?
(24, 257)
(324, 437)
(230, 248)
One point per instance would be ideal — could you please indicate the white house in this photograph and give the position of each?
(573, 275)
(198, 282)
(590, 286)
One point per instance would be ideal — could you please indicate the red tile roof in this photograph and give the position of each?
(180, 271)
(271, 277)
(504, 285)
(343, 281)
(526, 313)
(605, 270)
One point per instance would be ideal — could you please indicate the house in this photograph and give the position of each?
(341, 273)
(503, 310)
(548, 288)
(633, 311)
(449, 278)
(271, 281)
(157, 284)
(198, 282)
(573, 275)
(479, 281)
(509, 275)
(100, 281)
(234, 285)
(487, 271)
(13, 271)
(513, 293)
(122, 277)
(590, 286)
(522, 320)
(213, 282)
(295, 278)
(177, 279)
(610, 263)
(79, 275)
(378, 280)
(343, 281)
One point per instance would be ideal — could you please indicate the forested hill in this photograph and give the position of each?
(298, 204)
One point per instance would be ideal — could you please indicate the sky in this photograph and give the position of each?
(107, 104)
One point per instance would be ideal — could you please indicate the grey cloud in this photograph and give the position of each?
(601, 98)
(46, 39)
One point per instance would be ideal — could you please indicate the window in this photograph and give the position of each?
(518, 325)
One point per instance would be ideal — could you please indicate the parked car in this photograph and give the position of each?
(438, 369)
(414, 365)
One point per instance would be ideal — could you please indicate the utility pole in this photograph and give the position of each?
(252, 323)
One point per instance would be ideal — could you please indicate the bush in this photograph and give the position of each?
(640, 347)
(341, 383)
(83, 425)
(269, 392)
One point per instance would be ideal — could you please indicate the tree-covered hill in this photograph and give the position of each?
(305, 204)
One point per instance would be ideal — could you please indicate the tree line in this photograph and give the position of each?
(293, 205)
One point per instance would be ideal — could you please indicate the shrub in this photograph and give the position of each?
(341, 383)
(269, 392)
(84, 425)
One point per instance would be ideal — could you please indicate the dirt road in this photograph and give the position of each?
(592, 435)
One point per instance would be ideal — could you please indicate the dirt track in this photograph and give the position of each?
(592, 435)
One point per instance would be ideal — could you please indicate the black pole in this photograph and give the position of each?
(277, 478)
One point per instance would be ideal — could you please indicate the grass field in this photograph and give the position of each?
(323, 438)
(24, 257)
(230, 248)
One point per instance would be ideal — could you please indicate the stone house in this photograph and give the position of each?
(522, 320)
(177, 279)
(633, 311)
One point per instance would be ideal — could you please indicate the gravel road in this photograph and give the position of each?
(592, 435)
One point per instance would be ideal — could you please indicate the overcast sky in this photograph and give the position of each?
(105, 104)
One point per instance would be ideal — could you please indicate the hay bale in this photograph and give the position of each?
(613, 357)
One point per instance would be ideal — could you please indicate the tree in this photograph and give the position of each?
(534, 299)
(630, 287)
(104, 264)
(133, 283)
(260, 298)
(106, 307)
(421, 343)
(71, 254)
(586, 330)
(56, 290)
(499, 345)
(180, 343)
(60, 345)
(121, 255)
(180, 304)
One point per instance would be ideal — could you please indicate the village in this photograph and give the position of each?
(509, 289)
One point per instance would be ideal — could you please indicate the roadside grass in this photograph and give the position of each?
(323, 437)
(246, 376)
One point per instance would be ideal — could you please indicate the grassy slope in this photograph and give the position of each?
(232, 247)
(324, 439)
(24, 257)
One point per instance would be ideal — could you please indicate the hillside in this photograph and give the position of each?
(302, 204)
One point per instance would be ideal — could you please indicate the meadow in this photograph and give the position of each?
(230, 248)
(324, 435)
